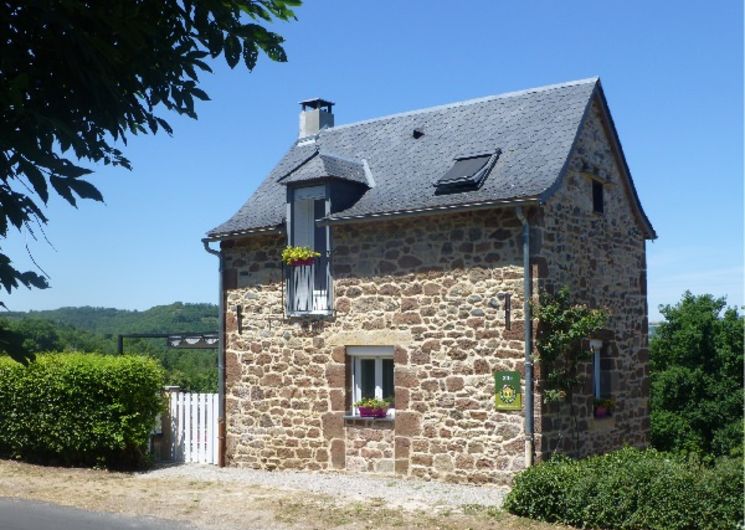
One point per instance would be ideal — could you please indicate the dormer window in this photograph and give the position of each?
(309, 284)
(320, 185)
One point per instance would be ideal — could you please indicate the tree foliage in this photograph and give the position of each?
(79, 409)
(697, 377)
(631, 489)
(80, 76)
(95, 330)
(562, 335)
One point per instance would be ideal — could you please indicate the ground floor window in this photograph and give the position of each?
(372, 374)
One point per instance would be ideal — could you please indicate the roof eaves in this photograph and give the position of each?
(429, 210)
(233, 234)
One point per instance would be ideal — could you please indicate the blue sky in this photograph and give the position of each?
(672, 73)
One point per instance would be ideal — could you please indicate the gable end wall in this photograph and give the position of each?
(601, 258)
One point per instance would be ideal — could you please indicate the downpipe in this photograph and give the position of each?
(528, 339)
(220, 358)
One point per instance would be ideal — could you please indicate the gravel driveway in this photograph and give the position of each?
(210, 498)
(406, 493)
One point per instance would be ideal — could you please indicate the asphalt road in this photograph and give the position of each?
(28, 515)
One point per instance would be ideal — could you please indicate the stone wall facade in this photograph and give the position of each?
(601, 257)
(432, 288)
(428, 287)
(370, 446)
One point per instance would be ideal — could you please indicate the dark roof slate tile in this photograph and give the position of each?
(534, 129)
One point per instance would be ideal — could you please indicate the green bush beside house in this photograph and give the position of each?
(79, 409)
(632, 490)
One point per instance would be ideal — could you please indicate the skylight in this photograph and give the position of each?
(467, 173)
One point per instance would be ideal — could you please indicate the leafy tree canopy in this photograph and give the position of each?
(77, 77)
(95, 329)
(697, 377)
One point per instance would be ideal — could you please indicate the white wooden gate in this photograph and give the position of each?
(193, 427)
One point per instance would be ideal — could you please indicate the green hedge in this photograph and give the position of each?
(631, 489)
(79, 409)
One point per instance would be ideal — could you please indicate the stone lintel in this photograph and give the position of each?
(383, 337)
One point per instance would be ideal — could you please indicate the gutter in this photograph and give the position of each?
(381, 216)
(429, 210)
(220, 358)
(528, 339)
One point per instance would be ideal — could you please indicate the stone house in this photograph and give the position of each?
(435, 228)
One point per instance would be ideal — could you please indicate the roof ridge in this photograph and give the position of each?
(464, 102)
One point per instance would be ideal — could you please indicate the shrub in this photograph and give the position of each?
(79, 409)
(631, 489)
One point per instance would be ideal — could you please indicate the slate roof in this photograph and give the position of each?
(534, 130)
(324, 165)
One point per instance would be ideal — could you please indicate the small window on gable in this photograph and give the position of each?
(372, 374)
(601, 382)
(597, 196)
(467, 173)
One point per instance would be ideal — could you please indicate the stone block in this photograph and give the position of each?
(402, 447)
(402, 466)
(337, 398)
(420, 357)
(443, 463)
(400, 357)
(407, 319)
(402, 398)
(421, 460)
(405, 377)
(454, 383)
(271, 379)
(408, 423)
(384, 465)
(338, 456)
(333, 425)
(336, 375)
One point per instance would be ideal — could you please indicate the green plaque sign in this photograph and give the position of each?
(507, 394)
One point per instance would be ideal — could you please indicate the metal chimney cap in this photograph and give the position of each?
(317, 103)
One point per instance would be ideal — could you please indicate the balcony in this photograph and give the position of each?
(308, 288)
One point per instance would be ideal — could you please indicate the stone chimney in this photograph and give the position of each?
(315, 115)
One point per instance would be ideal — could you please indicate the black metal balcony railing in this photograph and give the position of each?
(308, 288)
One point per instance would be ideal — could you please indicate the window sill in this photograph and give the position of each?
(606, 423)
(353, 417)
(311, 315)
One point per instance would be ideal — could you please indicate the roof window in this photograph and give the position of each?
(467, 173)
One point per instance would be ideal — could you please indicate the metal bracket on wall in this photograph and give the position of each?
(239, 317)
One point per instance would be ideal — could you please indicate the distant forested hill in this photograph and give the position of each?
(178, 317)
(95, 329)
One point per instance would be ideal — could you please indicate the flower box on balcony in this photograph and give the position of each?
(302, 262)
(298, 256)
